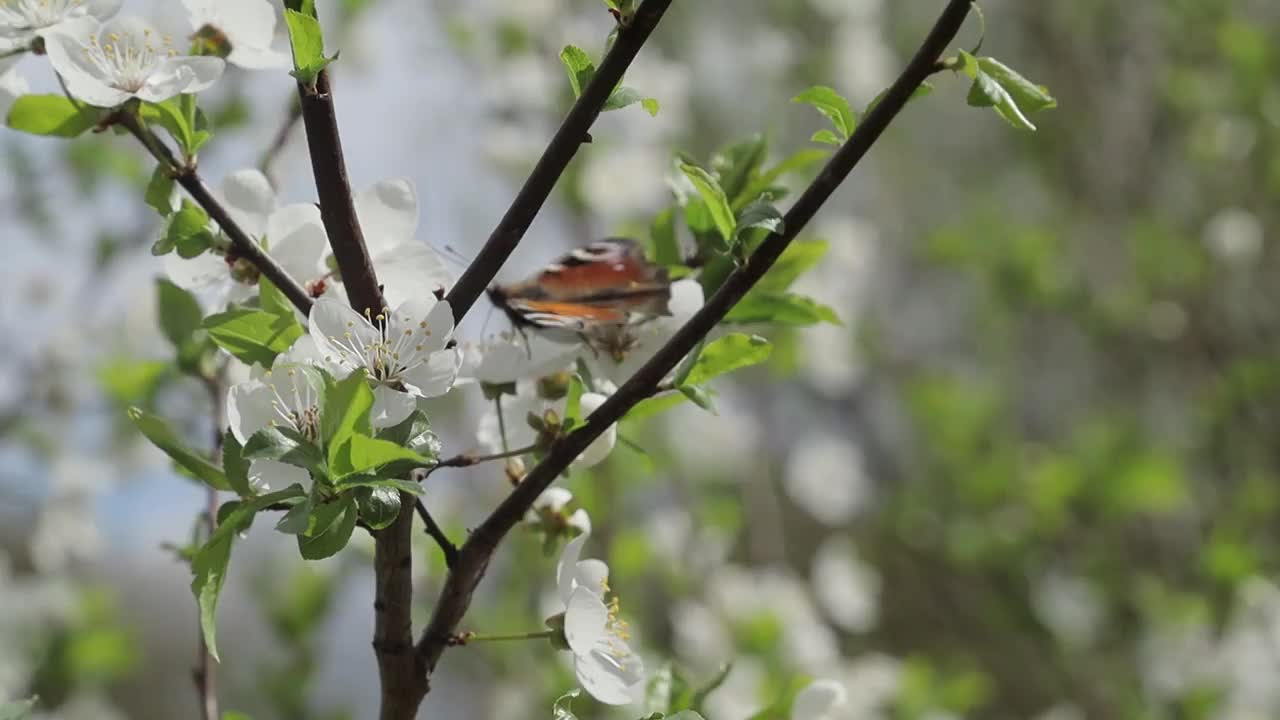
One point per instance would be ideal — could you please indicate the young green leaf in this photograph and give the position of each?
(175, 116)
(797, 259)
(579, 66)
(188, 230)
(713, 195)
(726, 354)
(623, 96)
(664, 246)
(379, 506)
(698, 396)
(655, 405)
(778, 308)
(367, 481)
(209, 566)
(831, 104)
(759, 214)
(286, 445)
(180, 314)
(414, 433)
(296, 519)
(739, 163)
(162, 436)
(826, 137)
(330, 528)
(272, 300)
(253, 336)
(159, 196)
(347, 406)
(1028, 96)
(796, 162)
(360, 454)
(235, 465)
(306, 39)
(51, 115)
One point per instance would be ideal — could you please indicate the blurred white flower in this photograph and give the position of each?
(508, 357)
(864, 62)
(406, 267)
(619, 351)
(548, 511)
(124, 58)
(287, 396)
(739, 696)
(700, 636)
(871, 682)
(21, 21)
(862, 10)
(249, 27)
(66, 531)
(846, 588)
(826, 477)
(736, 435)
(513, 422)
(12, 87)
(604, 663)
(818, 699)
(294, 234)
(624, 180)
(524, 82)
(1234, 235)
(404, 351)
(1070, 606)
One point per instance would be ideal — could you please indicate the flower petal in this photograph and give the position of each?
(267, 474)
(298, 241)
(101, 9)
(566, 569)
(337, 330)
(586, 621)
(410, 269)
(434, 377)
(687, 298)
(249, 199)
(599, 448)
(388, 214)
(302, 352)
(553, 499)
(196, 73)
(817, 699)
(249, 409)
(391, 407)
(514, 411)
(254, 58)
(610, 676)
(84, 80)
(248, 23)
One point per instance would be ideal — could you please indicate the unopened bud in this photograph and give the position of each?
(515, 470)
(554, 387)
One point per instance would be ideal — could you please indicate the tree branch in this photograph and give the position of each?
(206, 669)
(474, 555)
(433, 529)
(245, 246)
(564, 145)
(403, 681)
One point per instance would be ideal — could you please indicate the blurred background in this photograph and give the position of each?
(1034, 473)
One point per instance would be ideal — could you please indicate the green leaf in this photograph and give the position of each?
(561, 709)
(698, 396)
(414, 433)
(797, 259)
(786, 309)
(296, 519)
(726, 354)
(347, 406)
(739, 163)
(1028, 96)
(180, 314)
(579, 66)
(986, 92)
(650, 106)
(272, 300)
(794, 163)
(360, 453)
(624, 96)
(129, 381)
(235, 465)
(187, 231)
(573, 402)
(175, 116)
(1000, 88)
(831, 104)
(826, 137)
(159, 196)
(253, 336)
(713, 195)
(367, 481)
(331, 526)
(306, 40)
(209, 566)
(379, 506)
(51, 115)
(664, 246)
(18, 710)
(286, 445)
(162, 436)
(655, 405)
(760, 214)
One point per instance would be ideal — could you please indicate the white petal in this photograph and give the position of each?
(249, 199)
(302, 352)
(128, 25)
(12, 86)
(553, 499)
(566, 569)
(254, 58)
(267, 475)
(333, 325)
(434, 377)
(592, 574)
(102, 9)
(817, 699)
(84, 80)
(388, 214)
(610, 676)
(507, 358)
(197, 272)
(599, 448)
(184, 74)
(410, 269)
(249, 409)
(579, 521)
(686, 299)
(297, 241)
(586, 621)
(250, 23)
(514, 411)
(391, 407)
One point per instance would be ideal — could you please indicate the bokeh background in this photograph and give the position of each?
(1034, 473)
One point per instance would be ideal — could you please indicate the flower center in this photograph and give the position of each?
(619, 632)
(395, 352)
(298, 406)
(33, 14)
(128, 59)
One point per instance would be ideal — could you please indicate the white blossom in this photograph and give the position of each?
(508, 357)
(512, 430)
(124, 58)
(405, 351)
(619, 351)
(287, 396)
(12, 87)
(22, 21)
(249, 28)
(818, 699)
(406, 267)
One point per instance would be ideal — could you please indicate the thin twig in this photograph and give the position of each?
(433, 529)
(468, 459)
(243, 245)
(206, 669)
(475, 554)
(292, 118)
(564, 145)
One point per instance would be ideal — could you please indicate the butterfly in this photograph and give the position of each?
(596, 292)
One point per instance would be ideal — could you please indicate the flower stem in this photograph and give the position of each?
(468, 638)
(502, 424)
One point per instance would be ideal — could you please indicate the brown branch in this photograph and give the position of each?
(474, 555)
(433, 529)
(564, 145)
(244, 246)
